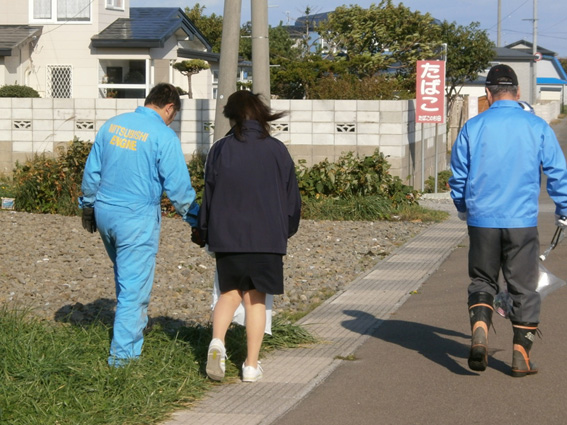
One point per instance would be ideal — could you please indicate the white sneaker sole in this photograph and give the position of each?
(252, 379)
(214, 368)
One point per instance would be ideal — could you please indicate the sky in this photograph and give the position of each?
(517, 16)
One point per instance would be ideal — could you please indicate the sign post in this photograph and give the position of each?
(430, 103)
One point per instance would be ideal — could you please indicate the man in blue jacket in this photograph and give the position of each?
(495, 185)
(135, 158)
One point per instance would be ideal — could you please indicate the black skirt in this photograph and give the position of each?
(246, 271)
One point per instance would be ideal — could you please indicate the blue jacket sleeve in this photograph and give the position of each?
(91, 175)
(460, 170)
(555, 168)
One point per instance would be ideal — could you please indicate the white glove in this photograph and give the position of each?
(463, 216)
(561, 221)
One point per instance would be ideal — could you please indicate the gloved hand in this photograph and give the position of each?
(561, 221)
(89, 222)
(462, 216)
(196, 237)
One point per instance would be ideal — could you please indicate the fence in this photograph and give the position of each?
(313, 130)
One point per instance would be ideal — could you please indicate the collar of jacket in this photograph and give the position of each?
(506, 104)
(150, 112)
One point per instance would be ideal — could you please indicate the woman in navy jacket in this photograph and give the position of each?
(251, 206)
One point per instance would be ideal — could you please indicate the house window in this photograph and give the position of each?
(126, 79)
(115, 4)
(61, 10)
(59, 81)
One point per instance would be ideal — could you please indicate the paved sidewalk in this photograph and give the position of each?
(411, 368)
(369, 300)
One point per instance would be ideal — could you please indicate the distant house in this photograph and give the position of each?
(518, 60)
(304, 30)
(551, 78)
(99, 48)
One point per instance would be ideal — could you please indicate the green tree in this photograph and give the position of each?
(190, 68)
(295, 79)
(210, 26)
(387, 36)
(281, 44)
(469, 52)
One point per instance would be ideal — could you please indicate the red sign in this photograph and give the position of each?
(430, 92)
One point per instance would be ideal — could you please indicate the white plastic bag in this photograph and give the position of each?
(240, 314)
(546, 284)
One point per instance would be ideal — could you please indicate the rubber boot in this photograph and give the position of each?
(524, 335)
(480, 313)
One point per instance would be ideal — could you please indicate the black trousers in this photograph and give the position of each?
(516, 253)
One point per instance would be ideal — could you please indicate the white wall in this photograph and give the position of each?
(312, 130)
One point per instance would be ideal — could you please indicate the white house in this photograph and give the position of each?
(99, 48)
(551, 78)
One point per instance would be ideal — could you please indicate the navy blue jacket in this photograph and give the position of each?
(251, 201)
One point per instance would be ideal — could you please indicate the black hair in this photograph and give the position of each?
(244, 105)
(163, 94)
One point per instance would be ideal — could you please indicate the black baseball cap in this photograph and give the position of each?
(501, 75)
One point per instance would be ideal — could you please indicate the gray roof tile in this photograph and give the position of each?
(147, 27)
(12, 36)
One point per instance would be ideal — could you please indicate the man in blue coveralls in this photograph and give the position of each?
(135, 158)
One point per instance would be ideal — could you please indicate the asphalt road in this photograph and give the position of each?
(414, 368)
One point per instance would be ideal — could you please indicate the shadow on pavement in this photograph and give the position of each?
(434, 343)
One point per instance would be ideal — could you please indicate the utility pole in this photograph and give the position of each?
(228, 66)
(534, 63)
(260, 50)
(499, 25)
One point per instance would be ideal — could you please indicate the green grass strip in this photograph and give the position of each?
(53, 373)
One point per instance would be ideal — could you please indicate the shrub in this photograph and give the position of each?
(18, 91)
(196, 167)
(355, 208)
(52, 185)
(353, 176)
(7, 188)
(442, 182)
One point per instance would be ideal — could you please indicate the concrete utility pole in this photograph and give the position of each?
(533, 95)
(260, 49)
(499, 25)
(228, 66)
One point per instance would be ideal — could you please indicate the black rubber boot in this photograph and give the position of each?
(480, 313)
(524, 335)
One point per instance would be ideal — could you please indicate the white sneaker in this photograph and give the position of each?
(251, 374)
(216, 360)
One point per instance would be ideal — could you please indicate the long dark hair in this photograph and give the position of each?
(244, 105)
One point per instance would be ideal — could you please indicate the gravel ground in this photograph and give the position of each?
(50, 264)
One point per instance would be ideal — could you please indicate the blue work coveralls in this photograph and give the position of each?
(134, 159)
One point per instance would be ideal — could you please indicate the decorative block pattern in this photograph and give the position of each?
(345, 128)
(84, 125)
(22, 124)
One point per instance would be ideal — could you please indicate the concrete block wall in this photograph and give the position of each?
(326, 129)
(313, 130)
